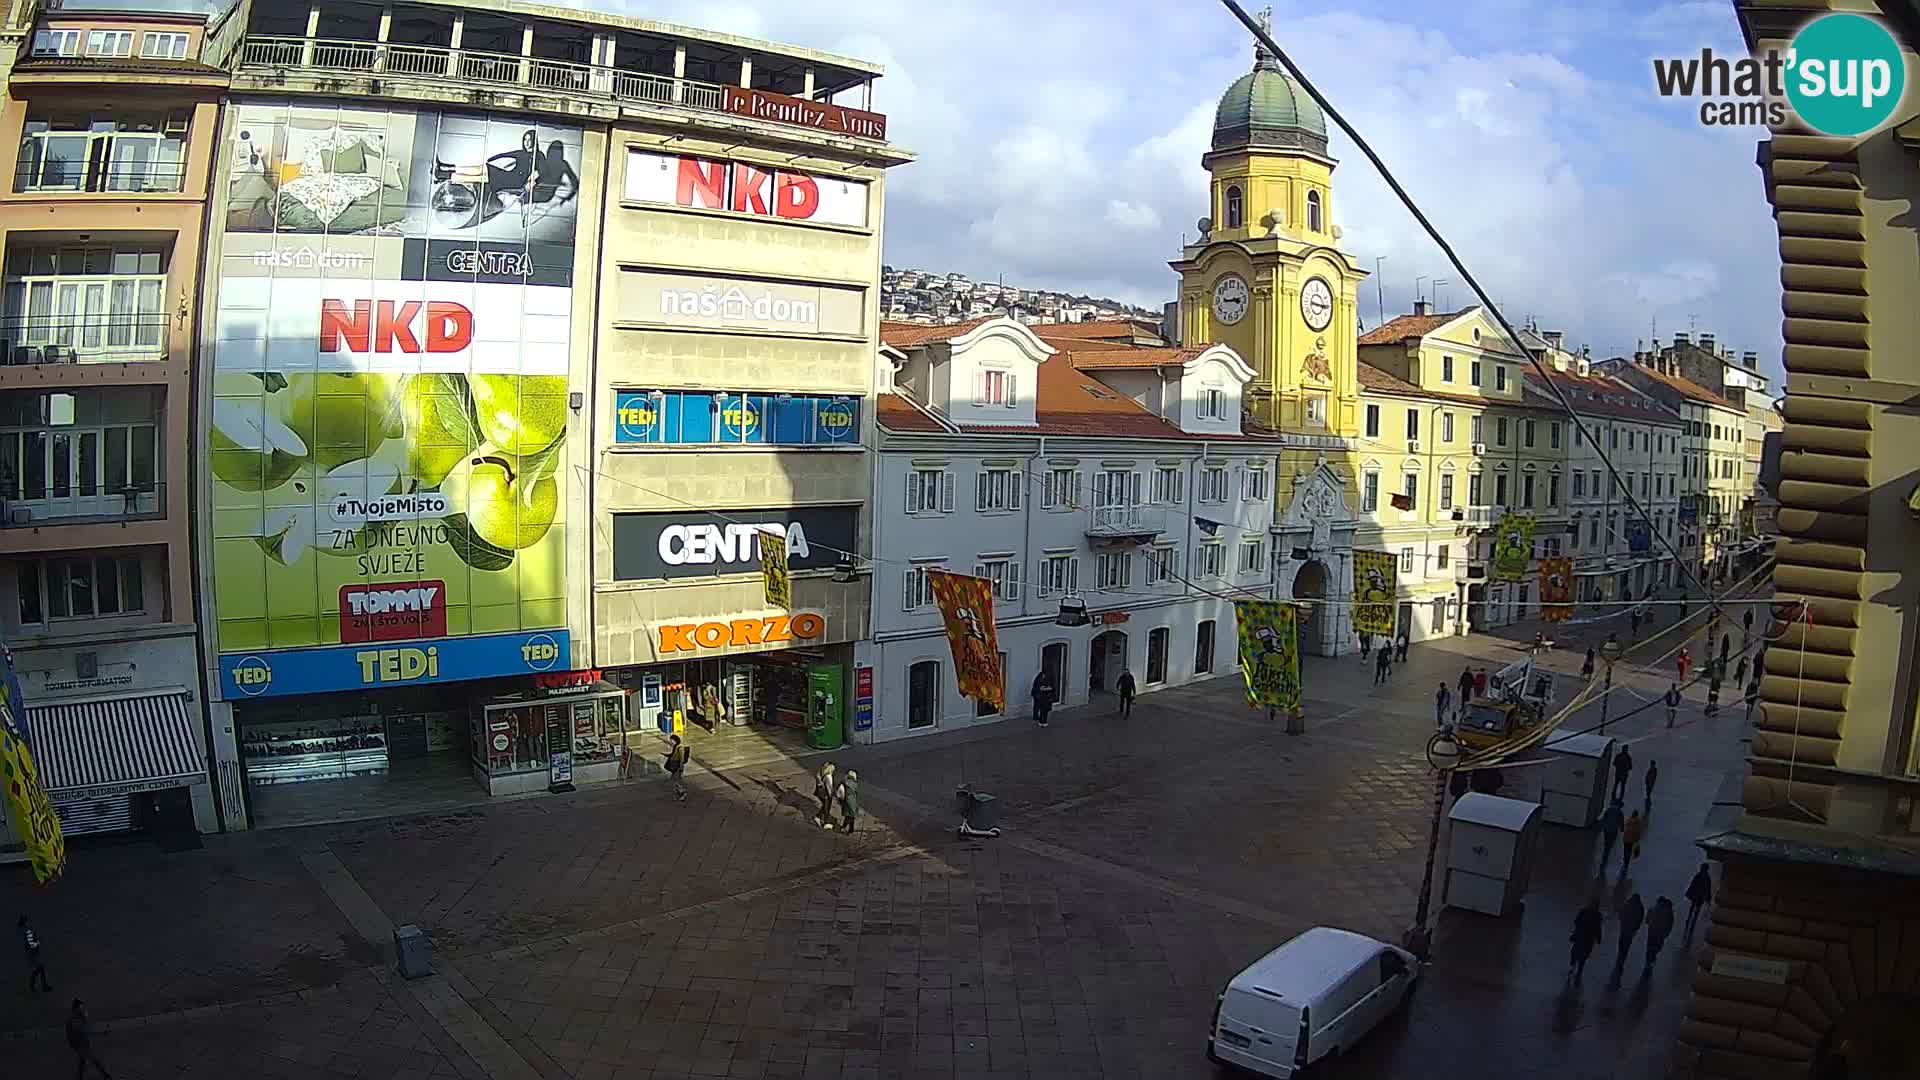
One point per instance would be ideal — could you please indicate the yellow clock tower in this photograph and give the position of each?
(1266, 276)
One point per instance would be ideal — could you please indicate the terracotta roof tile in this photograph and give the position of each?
(1401, 327)
(1103, 358)
(1684, 386)
(896, 413)
(1385, 382)
(1094, 330)
(906, 335)
(1595, 395)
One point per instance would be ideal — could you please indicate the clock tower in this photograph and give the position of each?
(1266, 275)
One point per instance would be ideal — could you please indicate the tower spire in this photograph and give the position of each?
(1261, 57)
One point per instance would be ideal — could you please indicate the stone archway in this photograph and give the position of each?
(1310, 585)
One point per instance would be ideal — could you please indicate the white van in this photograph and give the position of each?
(1308, 999)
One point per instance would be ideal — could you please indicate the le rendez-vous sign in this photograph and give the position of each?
(819, 115)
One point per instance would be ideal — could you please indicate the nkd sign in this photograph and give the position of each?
(740, 188)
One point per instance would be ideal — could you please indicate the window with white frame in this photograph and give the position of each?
(1446, 427)
(1573, 535)
(1553, 435)
(929, 490)
(998, 489)
(1446, 491)
(1253, 484)
(1410, 487)
(1213, 404)
(1446, 368)
(1527, 433)
(1553, 490)
(111, 43)
(1406, 560)
(1373, 421)
(1059, 575)
(1499, 376)
(1210, 560)
(1116, 488)
(1170, 485)
(1474, 490)
(1500, 489)
(56, 43)
(1160, 563)
(82, 453)
(917, 592)
(1579, 484)
(163, 46)
(1500, 431)
(104, 301)
(85, 587)
(1061, 488)
(1473, 373)
(1113, 570)
(117, 150)
(993, 386)
(1253, 556)
(1003, 570)
(1440, 556)
(1370, 492)
(1476, 428)
(1413, 423)
(1526, 490)
(1213, 484)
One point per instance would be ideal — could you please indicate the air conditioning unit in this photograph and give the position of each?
(1413, 446)
(1479, 448)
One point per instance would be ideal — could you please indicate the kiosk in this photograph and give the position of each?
(1490, 857)
(1573, 786)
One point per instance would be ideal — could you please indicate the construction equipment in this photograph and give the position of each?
(1517, 699)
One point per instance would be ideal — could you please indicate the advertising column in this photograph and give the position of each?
(390, 401)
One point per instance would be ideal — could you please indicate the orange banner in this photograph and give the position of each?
(966, 603)
(1556, 589)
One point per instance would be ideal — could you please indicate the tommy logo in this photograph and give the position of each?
(393, 611)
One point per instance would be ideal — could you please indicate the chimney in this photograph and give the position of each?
(1422, 307)
(1750, 360)
(1553, 337)
(1680, 339)
(1706, 342)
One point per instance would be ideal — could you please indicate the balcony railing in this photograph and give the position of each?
(485, 68)
(1482, 517)
(1116, 522)
(83, 339)
(33, 175)
(77, 503)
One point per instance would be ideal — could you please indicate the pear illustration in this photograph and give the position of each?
(509, 503)
(439, 427)
(520, 414)
(289, 531)
(253, 450)
(342, 417)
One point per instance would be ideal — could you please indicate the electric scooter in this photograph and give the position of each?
(976, 813)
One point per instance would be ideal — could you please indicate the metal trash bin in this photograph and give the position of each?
(414, 952)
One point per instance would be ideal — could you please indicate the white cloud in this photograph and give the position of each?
(1059, 144)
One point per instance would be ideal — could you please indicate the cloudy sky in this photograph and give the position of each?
(1059, 145)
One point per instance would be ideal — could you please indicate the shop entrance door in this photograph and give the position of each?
(1053, 661)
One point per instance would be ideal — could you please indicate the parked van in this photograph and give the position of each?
(1308, 999)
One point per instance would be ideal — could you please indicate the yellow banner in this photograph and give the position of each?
(28, 805)
(1270, 652)
(1556, 589)
(773, 570)
(1375, 582)
(966, 603)
(1513, 547)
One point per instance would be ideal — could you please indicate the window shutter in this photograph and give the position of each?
(906, 592)
(1013, 581)
(1012, 395)
(1040, 588)
(946, 491)
(979, 388)
(1073, 576)
(913, 492)
(1134, 483)
(1016, 481)
(1078, 497)
(980, 489)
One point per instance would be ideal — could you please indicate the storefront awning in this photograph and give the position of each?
(130, 744)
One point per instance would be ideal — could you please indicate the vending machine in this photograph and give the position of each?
(826, 709)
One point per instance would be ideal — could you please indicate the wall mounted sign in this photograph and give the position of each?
(862, 698)
(712, 302)
(693, 543)
(360, 667)
(741, 188)
(699, 417)
(819, 115)
(740, 633)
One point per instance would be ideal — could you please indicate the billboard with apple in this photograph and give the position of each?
(388, 429)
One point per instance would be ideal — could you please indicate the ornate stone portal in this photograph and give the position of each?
(1319, 520)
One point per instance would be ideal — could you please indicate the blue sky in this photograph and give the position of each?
(1060, 141)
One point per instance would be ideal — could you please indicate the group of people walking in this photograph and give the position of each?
(1384, 658)
(79, 1027)
(835, 792)
(1632, 915)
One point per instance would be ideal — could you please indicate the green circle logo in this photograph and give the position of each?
(1845, 75)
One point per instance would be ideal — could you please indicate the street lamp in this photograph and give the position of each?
(1610, 651)
(1443, 753)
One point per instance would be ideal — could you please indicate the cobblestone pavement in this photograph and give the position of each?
(616, 933)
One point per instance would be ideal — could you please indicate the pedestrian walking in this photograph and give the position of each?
(1442, 700)
(80, 1039)
(1684, 661)
(1746, 626)
(1635, 620)
(824, 790)
(1699, 894)
(1630, 836)
(1659, 925)
(1713, 699)
(677, 757)
(1612, 819)
(1740, 671)
(36, 968)
(1726, 646)
(1480, 682)
(1673, 702)
(1633, 914)
(1753, 695)
(1366, 645)
(1382, 664)
(1653, 775)
(1043, 696)
(1405, 643)
(1466, 687)
(1586, 667)
(1622, 768)
(1586, 934)
(1126, 688)
(849, 800)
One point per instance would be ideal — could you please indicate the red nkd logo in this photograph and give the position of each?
(393, 611)
(704, 185)
(388, 326)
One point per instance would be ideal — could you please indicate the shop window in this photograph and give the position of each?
(1157, 643)
(1203, 648)
(985, 708)
(923, 695)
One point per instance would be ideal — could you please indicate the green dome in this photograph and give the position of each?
(1265, 107)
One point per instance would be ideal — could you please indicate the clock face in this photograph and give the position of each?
(1316, 303)
(1230, 299)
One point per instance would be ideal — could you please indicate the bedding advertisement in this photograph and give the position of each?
(389, 422)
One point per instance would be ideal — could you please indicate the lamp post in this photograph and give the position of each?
(1610, 651)
(1443, 753)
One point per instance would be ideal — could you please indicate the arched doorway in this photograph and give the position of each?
(1105, 661)
(1873, 1040)
(1310, 585)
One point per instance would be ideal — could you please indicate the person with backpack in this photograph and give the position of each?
(677, 757)
(1043, 696)
(849, 801)
(1699, 894)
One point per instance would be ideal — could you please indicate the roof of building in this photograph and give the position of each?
(1681, 385)
(1091, 330)
(1265, 107)
(1401, 327)
(1597, 395)
(906, 335)
(1102, 357)
(121, 65)
(897, 413)
(1386, 382)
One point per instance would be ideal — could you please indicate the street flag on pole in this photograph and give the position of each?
(1375, 582)
(774, 571)
(966, 604)
(1269, 633)
(1513, 547)
(1556, 588)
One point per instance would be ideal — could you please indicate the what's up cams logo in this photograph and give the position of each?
(1842, 75)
